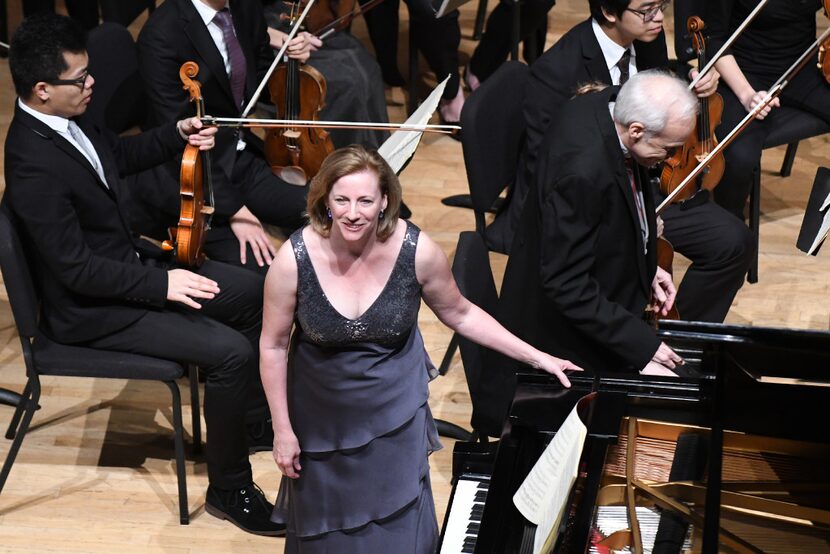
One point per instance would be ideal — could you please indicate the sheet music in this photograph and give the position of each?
(543, 495)
(401, 145)
(824, 229)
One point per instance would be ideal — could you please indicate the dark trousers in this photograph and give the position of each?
(720, 248)
(222, 338)
(436, 39)
(496, 42)
(271, 199)
(807, 91)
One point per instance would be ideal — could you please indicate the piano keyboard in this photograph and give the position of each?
(466, 508)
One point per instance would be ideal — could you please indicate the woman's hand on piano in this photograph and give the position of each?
(556, 366)
(287, 453)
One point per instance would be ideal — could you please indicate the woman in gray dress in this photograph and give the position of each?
(348, 390)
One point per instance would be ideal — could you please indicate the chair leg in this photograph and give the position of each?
(755, 222)
(412, 101)
(31, 406)
(24, 398)
(481, 16)
(448, 355)
(452, 431)
(181, 475)
(195, 411)
(789, 159)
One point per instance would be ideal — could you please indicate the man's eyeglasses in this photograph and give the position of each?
(648, 14)
(80, 82)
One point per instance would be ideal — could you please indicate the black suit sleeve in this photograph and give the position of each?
(45, 205)
(572, 215)
(134, 153)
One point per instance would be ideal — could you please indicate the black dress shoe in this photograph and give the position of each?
(245, 507)
(260, 436)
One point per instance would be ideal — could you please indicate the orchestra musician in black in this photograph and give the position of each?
(104, 289)
(772, 42)
(232, 49)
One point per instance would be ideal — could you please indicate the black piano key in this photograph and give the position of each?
(473, 528)
(468, 549)
(480, 496)
(469, 541)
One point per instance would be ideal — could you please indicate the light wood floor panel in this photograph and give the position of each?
(96, 472)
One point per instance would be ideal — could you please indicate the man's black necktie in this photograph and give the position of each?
(623, 65)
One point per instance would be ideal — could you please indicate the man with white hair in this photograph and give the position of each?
(583, 267)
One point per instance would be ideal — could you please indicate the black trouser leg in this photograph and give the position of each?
(438, 40)
(720, 248)
(270, 198)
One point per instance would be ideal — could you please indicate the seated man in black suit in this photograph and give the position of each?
(583, 267)
(64, 188)
(621, 38)
(233, 52)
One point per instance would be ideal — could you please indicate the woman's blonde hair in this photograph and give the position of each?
(347, 161)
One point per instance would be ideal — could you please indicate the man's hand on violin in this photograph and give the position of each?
(751, 99)
(708, 85)
(183, 286)
(194, 131)
(249, 232)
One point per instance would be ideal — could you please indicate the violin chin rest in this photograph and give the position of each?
(292, 175)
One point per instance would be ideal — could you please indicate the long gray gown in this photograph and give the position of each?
(357, 395)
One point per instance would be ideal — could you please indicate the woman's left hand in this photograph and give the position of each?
(287, 453)
(557, 366)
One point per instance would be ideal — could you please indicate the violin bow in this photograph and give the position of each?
(728, 43)
(774, 91)
(277, 59)
(307, 123)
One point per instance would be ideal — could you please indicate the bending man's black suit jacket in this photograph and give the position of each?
(578, 279)
(91, 279)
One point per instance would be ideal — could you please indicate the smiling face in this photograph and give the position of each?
(355, 202)
(67, 99)
(630, 26)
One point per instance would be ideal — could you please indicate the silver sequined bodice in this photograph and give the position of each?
(387, 321)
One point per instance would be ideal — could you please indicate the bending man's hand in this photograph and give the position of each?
(653, 368)
(663, 291)
(248, 231)
(666, 357)
(196, 133)
(183, 286)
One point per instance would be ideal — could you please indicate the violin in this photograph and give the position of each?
(299, 93)
(195, 187)
(334, 15)
(823, 57)
(702, 141)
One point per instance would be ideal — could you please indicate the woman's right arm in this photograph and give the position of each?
(277, 319)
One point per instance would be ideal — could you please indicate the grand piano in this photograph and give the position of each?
(733, 457)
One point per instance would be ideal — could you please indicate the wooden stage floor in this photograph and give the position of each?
(96, 474)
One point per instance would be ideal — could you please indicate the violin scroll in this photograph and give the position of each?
(195, 187)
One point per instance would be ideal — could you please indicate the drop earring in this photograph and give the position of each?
(381, 214)
(328, 213)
